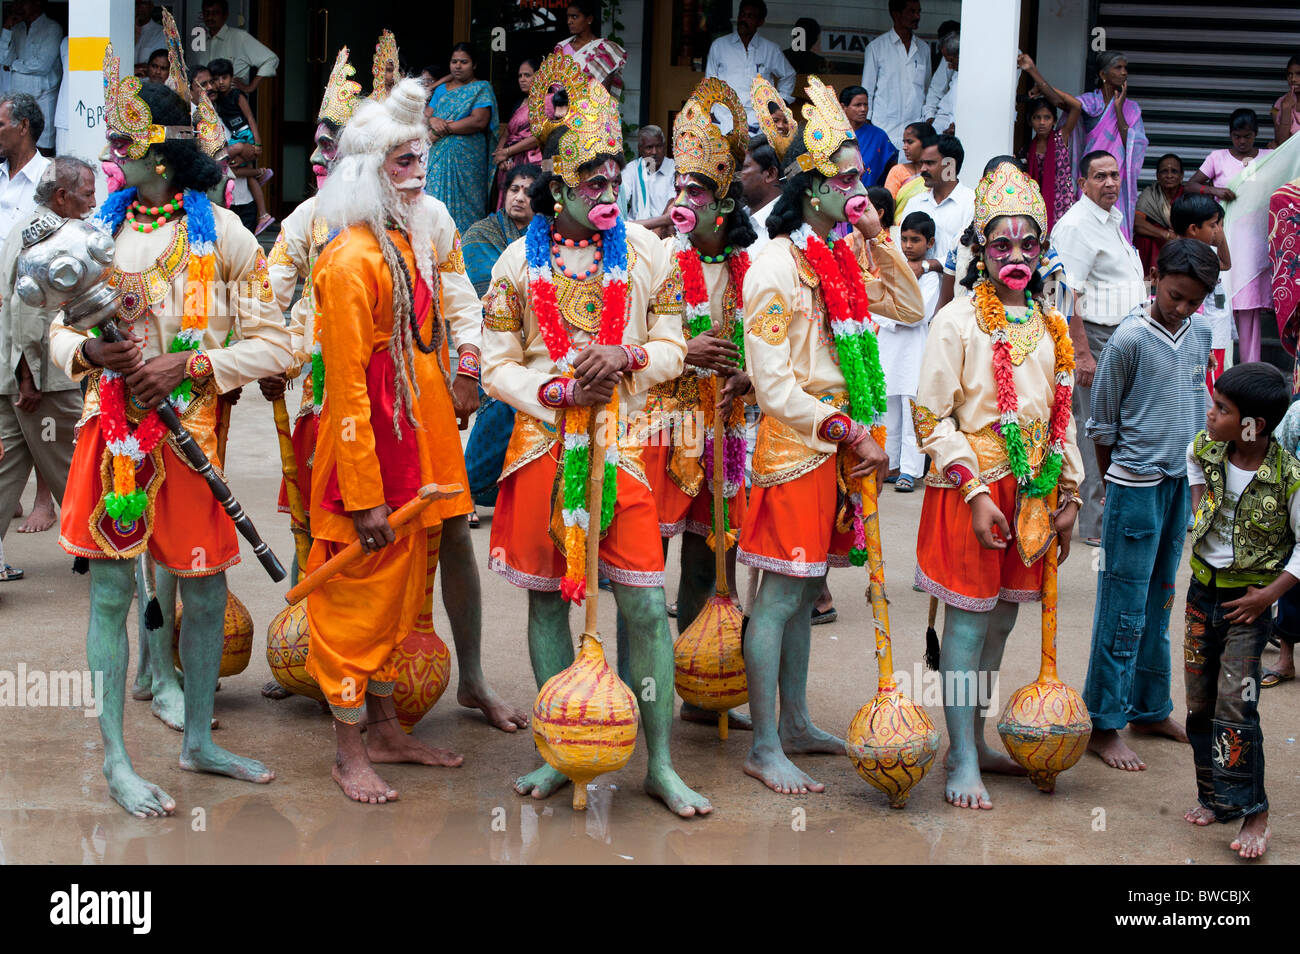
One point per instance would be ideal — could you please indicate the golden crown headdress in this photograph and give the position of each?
(127, 115)
(1008, 191)
(825, 128)
(591, 123)
(207, 127)
(385, 53)
(699, 145)
(341, 92)
(768, 104)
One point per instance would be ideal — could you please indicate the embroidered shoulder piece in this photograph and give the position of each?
(668, 299)
(772, 322)
(280, 253)
(806, 274)
(924, 421)
(501, 307)
(456, 260)
(260, 280)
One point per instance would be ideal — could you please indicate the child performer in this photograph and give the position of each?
(1246, 493)
(1148, 402)
(812, 355)
(993, 412)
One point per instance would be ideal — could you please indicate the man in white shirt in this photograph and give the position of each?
(21, 165)
(895, 71)
(648, 185)
(941, 81)
(1105, 273)
(760, 178)
(944, 117)
(253, 61)
(29, 54)
(149, 34)
(949, 203)
(740, 56)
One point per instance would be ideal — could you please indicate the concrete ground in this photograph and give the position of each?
(54, 804)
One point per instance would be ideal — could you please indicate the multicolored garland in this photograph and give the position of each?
(699, 320)
(574, 428)
(129, 446)
(848, 308)
(993, 316)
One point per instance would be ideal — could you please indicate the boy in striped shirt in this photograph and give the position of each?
(1148, 401)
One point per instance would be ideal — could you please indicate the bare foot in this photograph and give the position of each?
(41, 518)
(386, 743)
(1200, 815)
(361, 783)
(499, 713)
(780, 774)
(142, 799)
(665, 785)
(1110, 748)
(213, 758)
(735, 718)
(1167, 727)
(989, 761)
(809, 740)
(169, 706)
(142, 688)
(541, 782)
(273, 690)
(965, 788)
(1252, 840)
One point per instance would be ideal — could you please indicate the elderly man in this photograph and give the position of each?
(896, 70)
(742, 54)
(39, 404)
(253, 61)
(648, 182)
(29, 52)
(1104, 271)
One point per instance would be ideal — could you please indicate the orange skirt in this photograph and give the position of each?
(522, 549)
(187, 531)
(678, 511)
(952, 566)
(790, 527)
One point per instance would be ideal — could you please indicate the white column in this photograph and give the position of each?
(986, 88)
(91, 23)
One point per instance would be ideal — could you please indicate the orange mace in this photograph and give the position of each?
(289, 464)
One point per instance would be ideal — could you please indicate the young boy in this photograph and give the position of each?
(1200, 217)
(901, 347)
(1148, 402)
(1244, 558)
(233, 108)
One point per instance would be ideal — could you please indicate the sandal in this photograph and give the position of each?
(671, 609)
(905, 484)
(825, 616)
(265, 177)
(264, 223)
(1273, 678)
(9, 574)
(473, 521)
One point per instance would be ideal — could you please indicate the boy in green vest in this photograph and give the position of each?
(1246, 495)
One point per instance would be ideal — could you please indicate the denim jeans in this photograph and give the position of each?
(1221, 661)
(1129, 669)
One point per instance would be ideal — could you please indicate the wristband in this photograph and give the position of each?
(557, 393)
(839, 428)
(968, 485)
(198, 366)
(468, 365)
(637, 358)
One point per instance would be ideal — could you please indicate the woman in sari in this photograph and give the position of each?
(462, 114)
(1053, 115)
(517, 144)
(1113, 122)
(600, 59)
(1151, 227)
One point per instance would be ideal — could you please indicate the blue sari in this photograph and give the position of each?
(876, 150)
(460, 167)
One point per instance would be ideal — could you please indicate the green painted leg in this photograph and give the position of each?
(651, 666)
(1001, 621)
(782, 609)
(964, 635)
(798, 734)
(622, 648)
(168, 695)
(202, 626)
(142, 688)
(463, 600)
(550, 648)
(107, 648)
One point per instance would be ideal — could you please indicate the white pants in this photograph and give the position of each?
(900, 438)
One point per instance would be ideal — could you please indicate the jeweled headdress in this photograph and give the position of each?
(385, 53)
(207, 127)
(764, 96)
(699, 145)
(127, 115)
(341, 92)
(825, 128)
(1008, 191)
(591, 124)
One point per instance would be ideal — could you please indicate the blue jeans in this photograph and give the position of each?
(1141, 548)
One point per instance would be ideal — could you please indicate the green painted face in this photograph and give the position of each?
(697, 208)
(593, 202)
(842, 197)
(140, 172)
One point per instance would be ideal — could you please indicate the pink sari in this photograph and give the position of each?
(517, 131)
(1052, 172)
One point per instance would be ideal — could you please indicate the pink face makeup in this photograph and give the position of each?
(847, 180)
(603, 216)
(113, 174)
(1015, 276)
(854, 208)
(683, 219)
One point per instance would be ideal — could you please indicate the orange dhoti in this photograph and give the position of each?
(526, 555)
(304, 452)
(952, 565)
(185, 530)
(679, 511)
(362, 614)
(790, 528)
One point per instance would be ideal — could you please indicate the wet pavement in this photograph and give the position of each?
(54, 804)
